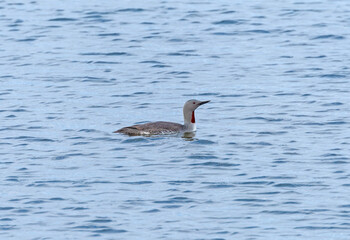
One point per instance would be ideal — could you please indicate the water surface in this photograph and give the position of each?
(270, 159)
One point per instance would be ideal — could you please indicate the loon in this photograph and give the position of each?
(157, 128)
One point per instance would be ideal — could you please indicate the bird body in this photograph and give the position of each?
(152, 128)
(158, 128)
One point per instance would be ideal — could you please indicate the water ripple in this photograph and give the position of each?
(270, 155)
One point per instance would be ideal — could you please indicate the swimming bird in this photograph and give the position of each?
(157, 128)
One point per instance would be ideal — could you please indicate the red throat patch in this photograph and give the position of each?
(193, 120)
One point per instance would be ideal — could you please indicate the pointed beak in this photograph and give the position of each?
(204, 102)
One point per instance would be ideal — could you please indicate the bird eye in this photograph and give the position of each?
(194, 102)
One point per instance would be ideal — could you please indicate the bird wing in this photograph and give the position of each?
(151, 128)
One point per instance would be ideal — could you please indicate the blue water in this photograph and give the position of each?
(270, 159)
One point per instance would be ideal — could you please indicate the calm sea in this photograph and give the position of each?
(270, 159)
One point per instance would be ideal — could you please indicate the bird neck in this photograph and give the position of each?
(189, 121)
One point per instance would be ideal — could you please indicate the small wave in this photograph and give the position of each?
(228, 12)
(175, 200)
(143, 93)
(220, 186)
(62, 19)
(202, 157)
(108, 34)
(6, 208)
(265, 119)
(225, 22)
(26, 40)
(152, 62)
(106, 54)
(225, 33)
(215, 164)
(330, 36)
(135, 140)
(155, 210)
(179, 182)
(256, 183)
(332, 104)
(232, 95)
(202, 94)
(110, 230)
(320, 228)
(62, 157)
(258, 31)
(182, 54)
(7, 227)
(137, 183)
(106, 62)
(281, 212)
(260, 143)
(131, 10)
(57, 199)
(295, 185)
(272, 133)
(319, 56)
(333, 76)
(204, 142)
(161, 66)
(100, 220)
(33, 139)
(251, 200)
(336, 123)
